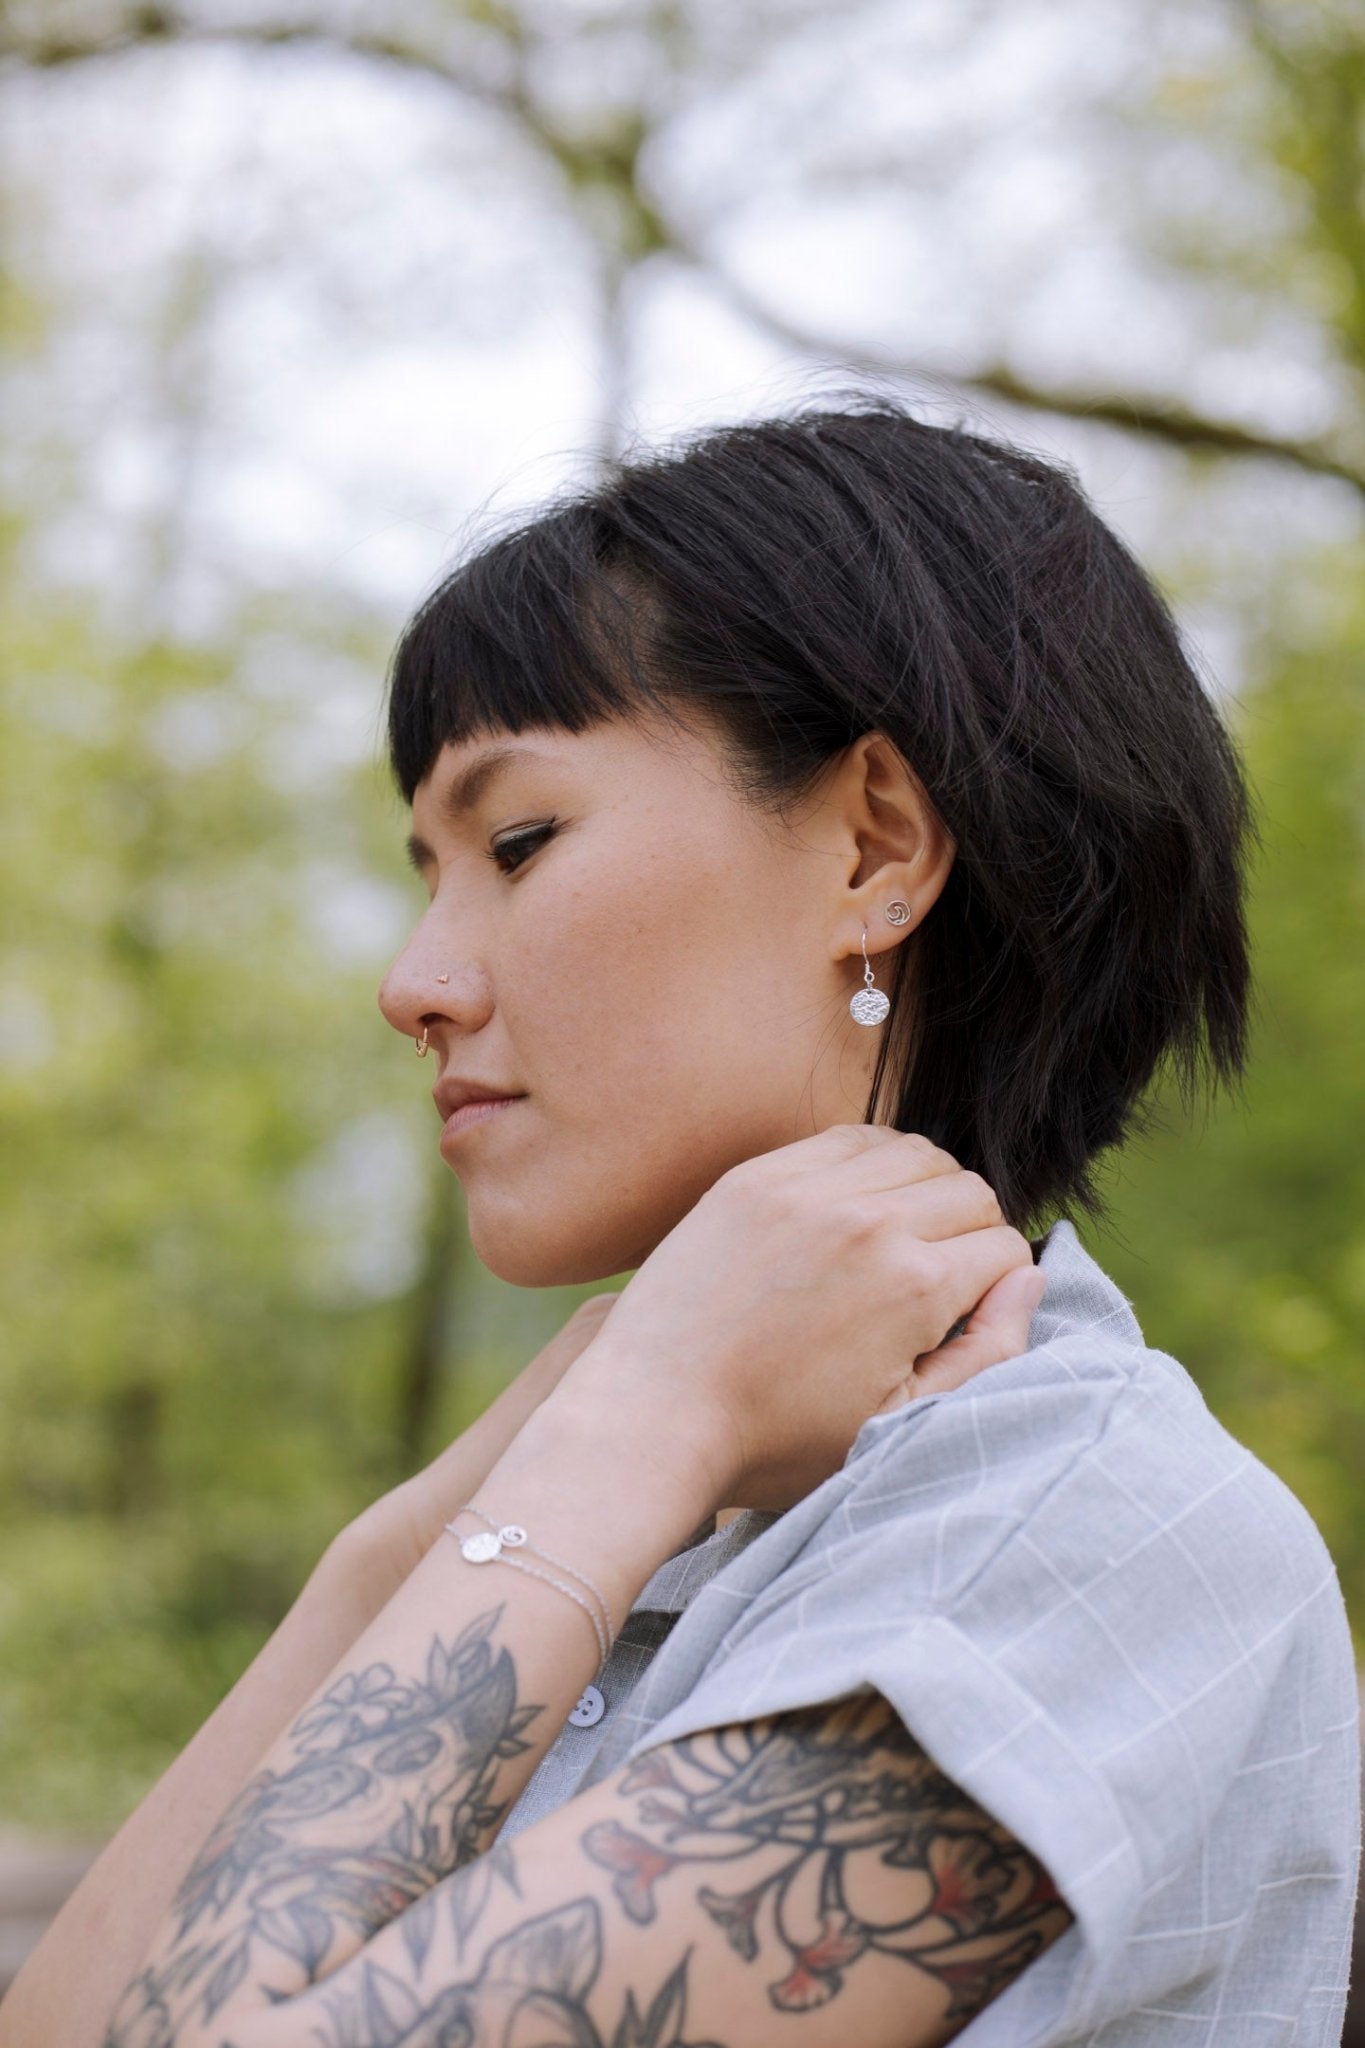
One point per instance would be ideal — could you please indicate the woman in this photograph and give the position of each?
(1018, 1699)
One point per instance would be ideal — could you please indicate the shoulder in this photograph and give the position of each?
(1099, 1613)
(1095, 1456)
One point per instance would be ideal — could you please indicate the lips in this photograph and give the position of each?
(451, 1094)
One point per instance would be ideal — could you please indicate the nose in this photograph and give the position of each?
(426, 988)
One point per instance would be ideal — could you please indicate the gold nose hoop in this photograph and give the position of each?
(421, 1043)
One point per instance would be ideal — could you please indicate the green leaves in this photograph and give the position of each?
(1241, 1240)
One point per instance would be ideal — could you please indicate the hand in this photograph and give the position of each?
(387, 1539)
(809, 1288)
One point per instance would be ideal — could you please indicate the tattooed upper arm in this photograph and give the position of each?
(813, 1877)
(818, 1838)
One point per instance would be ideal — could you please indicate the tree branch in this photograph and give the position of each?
(1153, 419)
(150, 25)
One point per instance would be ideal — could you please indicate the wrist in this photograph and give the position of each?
(668, 1438)
(601, 1478)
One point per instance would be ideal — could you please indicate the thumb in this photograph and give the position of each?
(998, 1328)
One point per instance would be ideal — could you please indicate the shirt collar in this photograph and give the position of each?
(1080, 1295)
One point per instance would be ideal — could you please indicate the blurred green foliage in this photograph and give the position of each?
(1240, 1236)
(212, 1186)
(237, 1301)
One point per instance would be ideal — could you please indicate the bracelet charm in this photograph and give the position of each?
(490, 1543)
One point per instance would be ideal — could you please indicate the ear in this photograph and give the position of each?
(898, 848)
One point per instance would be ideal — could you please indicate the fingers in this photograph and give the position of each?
(873, 1158)
(949, 1278)
(857, 1156)
(942, 1207)
(997, 1329)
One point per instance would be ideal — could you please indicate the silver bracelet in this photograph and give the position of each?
(499, 1543)
(511, 1536)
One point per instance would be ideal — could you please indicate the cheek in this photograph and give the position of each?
(630, 976)
(659, 1049)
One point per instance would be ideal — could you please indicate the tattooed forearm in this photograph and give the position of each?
(534, 1986)
(392, 1785)
(828, 1802)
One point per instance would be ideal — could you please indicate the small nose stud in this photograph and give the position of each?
(443, 979)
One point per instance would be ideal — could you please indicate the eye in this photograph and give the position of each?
(518, 847)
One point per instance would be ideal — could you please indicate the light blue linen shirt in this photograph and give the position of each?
(1109, 1623)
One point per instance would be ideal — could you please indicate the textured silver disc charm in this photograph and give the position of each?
(869, 1006)
(480, 1549)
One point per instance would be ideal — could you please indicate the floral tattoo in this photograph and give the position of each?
(814, 1793)
(391, 1788)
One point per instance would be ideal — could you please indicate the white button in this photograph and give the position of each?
(589, 1710)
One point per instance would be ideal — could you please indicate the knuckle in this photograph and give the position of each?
(930, 1155)
(922, 1272)
(788, 1200)
(862, 1222)
(853, 1138)
(982, 1193)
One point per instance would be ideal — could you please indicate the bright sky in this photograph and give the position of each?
(375, 318)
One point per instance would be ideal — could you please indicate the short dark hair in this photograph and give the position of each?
(809, 579)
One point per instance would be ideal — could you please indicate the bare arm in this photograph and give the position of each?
(811, 1877)
(817, 1868)
(403, 1764)
(67, 1988)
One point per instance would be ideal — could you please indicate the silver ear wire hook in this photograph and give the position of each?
(869, 1005)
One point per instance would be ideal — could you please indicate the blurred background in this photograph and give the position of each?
(300, 301)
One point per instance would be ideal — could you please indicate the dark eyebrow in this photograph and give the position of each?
(465, 789)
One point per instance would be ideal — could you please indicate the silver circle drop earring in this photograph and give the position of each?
(869, 1005)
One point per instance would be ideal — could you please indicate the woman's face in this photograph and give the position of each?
(657, 970)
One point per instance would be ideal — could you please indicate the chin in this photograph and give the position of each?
(541, 1251)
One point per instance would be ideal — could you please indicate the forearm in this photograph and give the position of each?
(66, 1990)
(405, 1762)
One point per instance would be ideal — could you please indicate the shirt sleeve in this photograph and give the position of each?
(1078, 1593)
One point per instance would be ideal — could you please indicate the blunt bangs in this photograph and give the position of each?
(528, 632)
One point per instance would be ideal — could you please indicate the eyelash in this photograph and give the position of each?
(535, 836)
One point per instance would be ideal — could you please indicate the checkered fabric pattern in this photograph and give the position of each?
(1104, 1619)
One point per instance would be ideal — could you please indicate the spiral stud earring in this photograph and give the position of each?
(421, 1044)
(869, 1005)
(898, 912)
